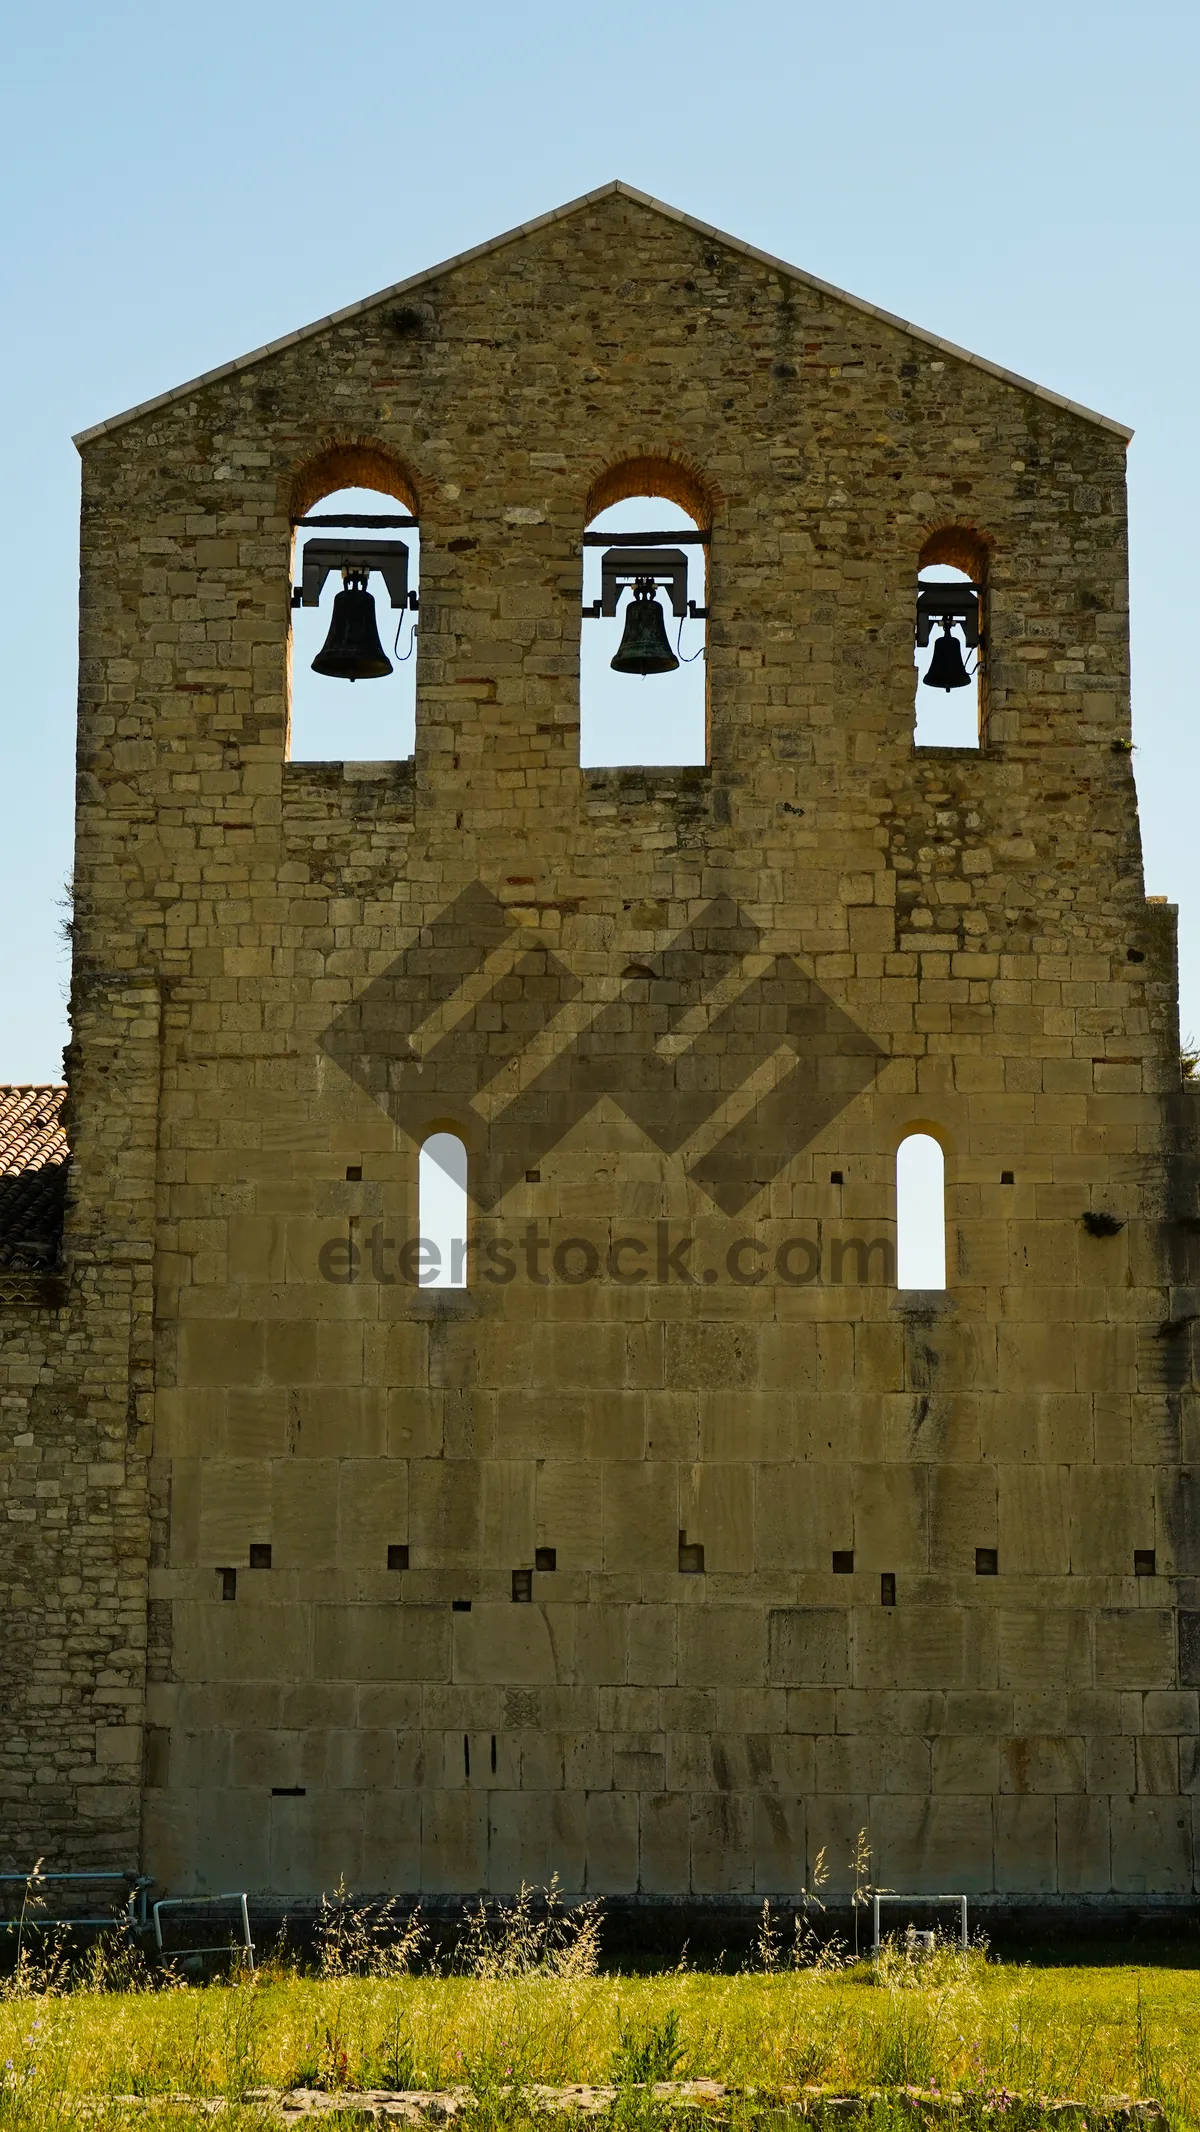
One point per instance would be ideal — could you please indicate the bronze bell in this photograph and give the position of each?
(946, 668)
(352, 650)
(644, 648)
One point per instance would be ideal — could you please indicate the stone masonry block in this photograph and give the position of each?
(808, 1646)
(1134, 1647)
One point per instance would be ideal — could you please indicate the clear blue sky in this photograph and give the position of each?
(181, 184)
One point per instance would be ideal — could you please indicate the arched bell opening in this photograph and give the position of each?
(355, 594)
(643, 679)
(950, 641)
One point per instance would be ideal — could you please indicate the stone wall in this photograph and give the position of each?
(657, 1005)
(76, 1378)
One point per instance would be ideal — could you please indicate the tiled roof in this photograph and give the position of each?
(33, 1176)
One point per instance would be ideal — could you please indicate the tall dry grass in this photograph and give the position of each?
(522, 2001)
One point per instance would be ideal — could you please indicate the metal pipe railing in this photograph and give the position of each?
(915, 1902)
(135, 1906)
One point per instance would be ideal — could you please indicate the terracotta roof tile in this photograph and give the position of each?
(33, 1176)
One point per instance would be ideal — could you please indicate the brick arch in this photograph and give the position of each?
(654, 474)
(351, 465)
(962, 547)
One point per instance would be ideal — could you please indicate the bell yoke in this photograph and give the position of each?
(352, 650)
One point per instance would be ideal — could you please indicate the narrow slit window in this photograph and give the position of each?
(949, 651)
(355, 578)
(442, 1212)
(643, 695)
(920, 1213)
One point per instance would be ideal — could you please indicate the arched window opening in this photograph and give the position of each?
(442, 1212)
(949, 641)
(920, 1213)
(354, 613)
(643, 696)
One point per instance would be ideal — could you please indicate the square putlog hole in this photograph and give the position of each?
(1143, 1562)
(354, 1173)
(545, 1558)
(843, 1561)
(987, 1562)
(260, 1554)
(691, 1557)
(228, 1583)
(522, 1586)
(398, 1555)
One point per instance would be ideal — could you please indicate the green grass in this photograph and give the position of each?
(960, 2022)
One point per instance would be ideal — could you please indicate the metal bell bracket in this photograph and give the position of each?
(948, 604)
(389, 557)
(620, 567)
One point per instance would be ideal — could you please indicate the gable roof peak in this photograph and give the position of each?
(559, 214)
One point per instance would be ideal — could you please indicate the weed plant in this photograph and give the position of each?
(105, 2039)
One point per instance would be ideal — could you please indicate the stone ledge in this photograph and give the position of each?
(318, 794)
(683, 784)
(924, 1304)
(431, 1304)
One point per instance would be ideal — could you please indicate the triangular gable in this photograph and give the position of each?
(559, 214)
